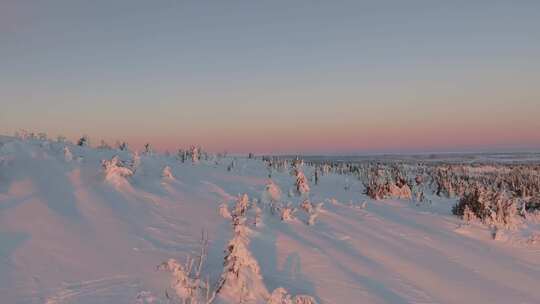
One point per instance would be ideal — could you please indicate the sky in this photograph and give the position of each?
(314, 77)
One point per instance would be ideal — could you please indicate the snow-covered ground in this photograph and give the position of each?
(76, 230)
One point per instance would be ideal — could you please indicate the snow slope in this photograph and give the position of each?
(68, 234)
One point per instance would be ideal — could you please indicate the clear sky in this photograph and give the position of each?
(275, 76)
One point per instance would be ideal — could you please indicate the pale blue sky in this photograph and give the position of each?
(225, 73)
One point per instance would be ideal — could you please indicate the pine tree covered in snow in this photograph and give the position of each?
(195, 156)
(302, 187)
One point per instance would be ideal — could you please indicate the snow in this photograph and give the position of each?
(95, 231)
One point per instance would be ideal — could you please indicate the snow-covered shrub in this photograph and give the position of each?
(241, 205)
(187, 281)
(61, 139)
(532, 204)
(84, 141)
(307, 206)
(281, 296)
(272, 193)
(181, 155)
(42, 136)
(224, 211)
(122, 146)
(258, 215)
(533, 239)
(148, 149)
(231, 166)
(104, 145)
(135, 161)
(68, 156)
(401, 191)
(468, 215)
(115, 171)
(311, 210)
(287, 213)
(312, 217)
(146, 297)
(167, 173)
(184, 286)
(377, 190)
(381, 184)
(291, 192)
(195, 156)
(492, 207)
(301, 183)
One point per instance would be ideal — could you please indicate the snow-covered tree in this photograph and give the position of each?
(84, 141)
(302, 186)
(68, 156)
(136, 161)
(122, 146)
(242, 205)
(241, 279)
(148, 149)
(104, 145)
(195, 156)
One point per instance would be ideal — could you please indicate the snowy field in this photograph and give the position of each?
(76, 230)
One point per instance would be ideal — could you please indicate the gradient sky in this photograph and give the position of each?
(275, 76)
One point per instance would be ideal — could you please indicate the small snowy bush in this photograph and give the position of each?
(115, 171)
(281, 296)
(307, 206)
(272, 193)
(68, 157)
(187, 281)
(287, 213)
(167, 173)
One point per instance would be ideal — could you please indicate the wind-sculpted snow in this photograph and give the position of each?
(77, 227)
